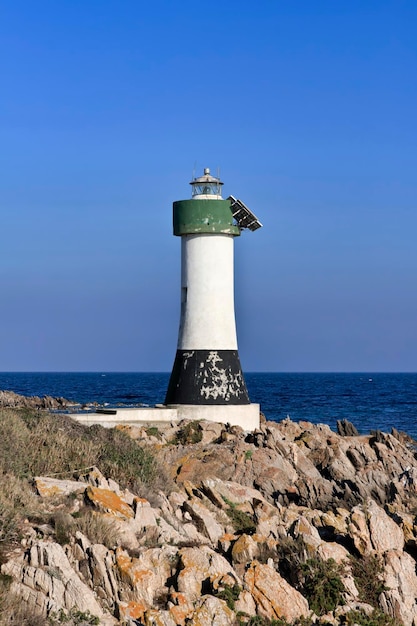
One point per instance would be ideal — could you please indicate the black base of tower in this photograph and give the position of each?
(207, 377)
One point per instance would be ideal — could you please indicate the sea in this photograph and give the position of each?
(371, 401)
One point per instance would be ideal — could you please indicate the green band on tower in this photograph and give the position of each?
(203, 216)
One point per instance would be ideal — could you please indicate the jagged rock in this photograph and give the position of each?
(95, 478)
(202, 564)
(244, 550)
(210, 611)
(180, 607)
(336, 521)
(372, 530)
(245, 603)
(101, 563)
(273, 596)
(48, 487)
(156, 617)
(109, 502)
(292, 480)
(148, 573)
(308, 533)
(204, 520)
(10, 399)
(145, 515)
(273, 474)
(131, 612)
(211, 431)
(222, 492)
(399, 599)
(44, 578)
(346, 428)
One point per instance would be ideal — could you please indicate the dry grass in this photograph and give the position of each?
(17, 501)
(98, 529)
(34, 443)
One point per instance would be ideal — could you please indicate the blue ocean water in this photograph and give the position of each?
(371, 400)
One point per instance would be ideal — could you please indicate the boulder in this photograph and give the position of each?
(45, 579)
(109, 502)
(49, 487)
(198, 565)
(372, 530)
(346, 428)
(204, 520)
(273, 596)
(210, 611)
(244, 550)
(399, 598)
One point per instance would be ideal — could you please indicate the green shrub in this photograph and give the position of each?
(190, 433)
(122, 459)
(74, 618)
(152, 431)
(367, 572)
(257, 620)
(360, 618)
(230, 594)
(291, 554)
(242, 522)
(322, 585)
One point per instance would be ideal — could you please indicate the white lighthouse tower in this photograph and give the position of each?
(206, 380)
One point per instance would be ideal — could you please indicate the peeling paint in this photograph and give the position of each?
(187, 356)
(219, 381)
(207, 377)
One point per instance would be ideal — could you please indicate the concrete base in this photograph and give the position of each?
(129, 417)
(245, 415)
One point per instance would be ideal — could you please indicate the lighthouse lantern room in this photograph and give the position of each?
(207, 380)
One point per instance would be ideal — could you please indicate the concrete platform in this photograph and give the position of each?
(245, 415)
(130, 417)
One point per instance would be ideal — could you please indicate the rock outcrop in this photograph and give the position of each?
(254, 521)
(10, 399)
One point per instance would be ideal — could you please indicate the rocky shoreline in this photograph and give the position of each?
(290, 524)
(10, 399)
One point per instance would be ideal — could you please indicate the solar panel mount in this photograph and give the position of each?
(243, 215)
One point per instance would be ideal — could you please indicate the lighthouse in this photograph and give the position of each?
(207, 380)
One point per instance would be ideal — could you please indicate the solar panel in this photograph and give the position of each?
(243, 215)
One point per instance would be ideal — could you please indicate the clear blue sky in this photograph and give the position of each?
(309, 109)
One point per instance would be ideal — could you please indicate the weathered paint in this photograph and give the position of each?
(207, 377)
(203, 216)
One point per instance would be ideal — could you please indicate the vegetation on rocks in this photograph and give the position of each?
(368, 573)
(202, 523)
(189, 433)
(37, 443)
(322, 585)
(40, 443)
